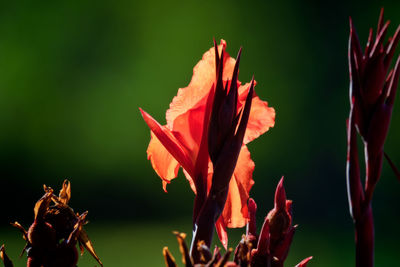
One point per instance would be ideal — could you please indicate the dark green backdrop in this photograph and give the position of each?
(73, 74)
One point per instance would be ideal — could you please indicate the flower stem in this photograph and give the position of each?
(204, 226)
(364, 235)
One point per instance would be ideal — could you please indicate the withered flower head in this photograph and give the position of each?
(55, 232)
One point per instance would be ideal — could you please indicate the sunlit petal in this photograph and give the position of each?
(165, 165)
(235, 213)
(200, 85)
(261, 117)
(169, 141)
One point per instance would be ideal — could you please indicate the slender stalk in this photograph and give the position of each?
(364, 236)
(205, 223)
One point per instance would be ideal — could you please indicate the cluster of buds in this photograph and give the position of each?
(270, 248)
(372, 94)
(51, 240)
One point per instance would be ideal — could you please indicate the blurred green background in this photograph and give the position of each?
(73, 74)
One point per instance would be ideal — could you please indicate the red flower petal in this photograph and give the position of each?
(169, 141)
(188, 128)
(221, 232)
(200, 85)
(162, 161)
(261, 116)
(235, 213)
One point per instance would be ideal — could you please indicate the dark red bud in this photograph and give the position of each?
(280, 196)
(263, 240)
(251, 228)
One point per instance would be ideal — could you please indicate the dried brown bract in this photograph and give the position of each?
(6, 260)
(207, 259)
(51, 240)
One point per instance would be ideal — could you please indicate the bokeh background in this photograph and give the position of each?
(73, 74)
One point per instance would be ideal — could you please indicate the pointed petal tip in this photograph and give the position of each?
(351, 24)
(380, 21)
(164, 185)
(251, 88)
(238, 55)
(304, 262)
(144, 113)
(280, 195)
(280, 186)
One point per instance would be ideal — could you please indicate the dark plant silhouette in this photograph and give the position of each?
(372, 93)
(51, 240)
(269, 248)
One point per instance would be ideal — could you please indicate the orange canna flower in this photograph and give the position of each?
(182, 142)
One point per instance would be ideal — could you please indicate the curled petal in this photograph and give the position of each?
(165, 165)
(42, 205)
(235, 213)
(261, 116)
(65, 192)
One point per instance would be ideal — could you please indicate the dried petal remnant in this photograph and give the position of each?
(56, 231)
(6, 260)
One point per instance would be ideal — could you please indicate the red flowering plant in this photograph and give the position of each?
(208, 126)
(372, 93)
(210, 116)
